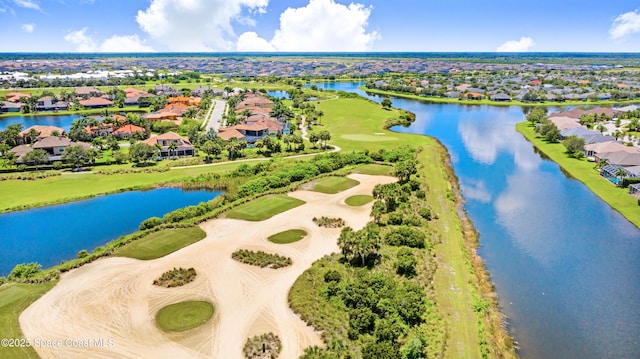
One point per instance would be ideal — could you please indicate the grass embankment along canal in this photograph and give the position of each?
(159, 244)
(332, 185)
(19, 194)
(433, 99)
(287, 237)
(358, 200)
(14, 298)
(264, 207)
(583, 170)
(183, 316)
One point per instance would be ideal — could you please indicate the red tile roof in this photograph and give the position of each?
(129, 129)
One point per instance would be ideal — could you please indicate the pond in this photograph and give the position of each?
(63, 121)
(52, 234)
(279, 94)
(565, 264)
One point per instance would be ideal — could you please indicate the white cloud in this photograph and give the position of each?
(29, 4)
(116, 43)
(321, 25)
(125, 43)
(81, 41)
(625, 24)
(197, 25)
(250, 41)
(524, 44)
(28, 27)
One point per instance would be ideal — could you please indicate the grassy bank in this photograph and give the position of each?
(161, 243)
(583, 170)
(14, 298)
(19, 194)
(183, 316)
(434, 99)
(332, 185)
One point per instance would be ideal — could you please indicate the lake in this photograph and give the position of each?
(52, 234)
(63, 121)
(279, 94)
(566, 265)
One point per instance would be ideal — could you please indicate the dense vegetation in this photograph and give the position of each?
(261, 259)
(265, 346)
(176, 277)
(329, 222)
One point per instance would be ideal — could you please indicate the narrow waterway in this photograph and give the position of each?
(52, 234)
(565, 264)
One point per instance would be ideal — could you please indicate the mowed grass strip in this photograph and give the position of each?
(159, 244)
(333, 185)
(358, 200)
(183, 316)
(264, 207)
(374, 170)
(290, 236)
(14, 298)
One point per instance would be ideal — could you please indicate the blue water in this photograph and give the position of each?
(279, 94)
(52, 234)
(566, 265)
(63, 121)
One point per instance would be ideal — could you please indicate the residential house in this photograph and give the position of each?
(252, 101)
(500, 97)
(6, 106)
(96, 102)
(87, 92)
(43, 131)
(102, 130)
(127, 131)
(56, 146)
(184, 147)
(634, 190)
(227, 133)
(563, 123)
(615, 174)
(45, 103)
(17, 96)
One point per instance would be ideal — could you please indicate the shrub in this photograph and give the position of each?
(406, 236)
(421, 194)
(83, 253)
(332, 276)
(24, 271)
(176, 277)
(395, 219)
(150, 223)
(412, 220)
(329, 222)
(3, 280)
(425, 213)
(57, 165)
(262, 347)
(406, 263)
(261, 259)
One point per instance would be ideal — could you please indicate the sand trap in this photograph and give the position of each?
(114, 299)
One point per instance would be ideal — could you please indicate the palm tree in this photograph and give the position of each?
(173, 146)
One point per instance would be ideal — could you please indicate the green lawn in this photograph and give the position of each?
(356, 124)
(159, 244)
(264, 207)
(332, 185)
(183, 316)
(290, 236)
(14, 298)
(583, 170)
(358, 200)
(374, 170)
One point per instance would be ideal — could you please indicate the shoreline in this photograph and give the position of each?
(441, 100)
(617, 198)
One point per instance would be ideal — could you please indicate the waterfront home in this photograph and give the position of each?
(101, 130)
(17, 96)
(128, 131)
(42, 131)
(615, 174)
(634, 190)
(87, 92)
(183, 146)
(563, 123)
(96, 102)
(6, 106)
(53, 145)
(574, 113)
(45, 103)
(587, 135)
(500, 97)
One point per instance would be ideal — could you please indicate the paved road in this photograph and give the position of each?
(215, 115)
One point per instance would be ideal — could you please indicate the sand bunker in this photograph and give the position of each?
(106, 309)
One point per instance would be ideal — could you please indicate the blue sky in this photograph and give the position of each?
(319, 25)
